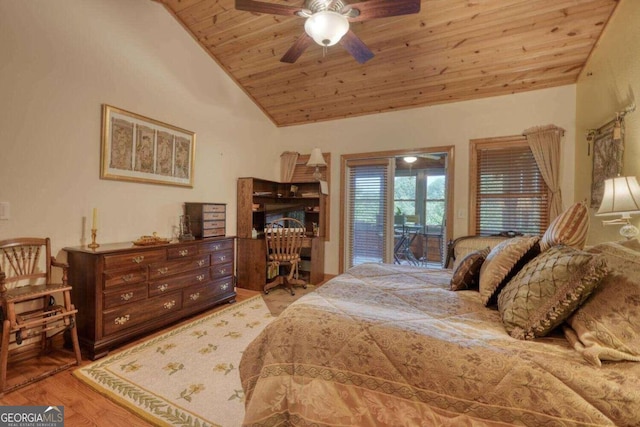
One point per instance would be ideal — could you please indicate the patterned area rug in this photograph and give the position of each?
(279, 298)
(187, 376)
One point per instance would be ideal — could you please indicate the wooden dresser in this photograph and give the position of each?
(123, 291)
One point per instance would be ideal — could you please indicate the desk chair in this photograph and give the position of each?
(284, 244)
(29, 311)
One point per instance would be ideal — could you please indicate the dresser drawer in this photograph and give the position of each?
(221, 257)
(213, 208)
(129, 315)
(129, 276)
(222, 286)
(219, 245)
(203, 294)
(213, 224)
(133, 259)
(164, 269)
(124, 295)
(219, 271)
(214, 216)
(179, 281)
(182, 252)
(214, 232)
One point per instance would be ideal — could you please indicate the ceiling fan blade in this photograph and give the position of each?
(383, 8)
(356, 47)
(268, 8)
(297, 49)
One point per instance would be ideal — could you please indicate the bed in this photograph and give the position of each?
(390, 345)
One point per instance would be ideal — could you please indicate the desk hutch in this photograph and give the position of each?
(260, 199)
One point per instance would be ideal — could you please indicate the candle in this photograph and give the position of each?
(94, 225)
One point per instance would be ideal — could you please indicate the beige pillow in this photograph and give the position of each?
(607, 326)
(569, 228)
(547, 290)
(467, 274)
(505, 260)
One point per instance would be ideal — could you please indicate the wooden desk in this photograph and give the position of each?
(252, 262)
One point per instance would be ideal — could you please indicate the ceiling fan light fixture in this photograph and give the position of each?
(326, 27)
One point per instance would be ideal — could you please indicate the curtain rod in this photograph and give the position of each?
(619, 116)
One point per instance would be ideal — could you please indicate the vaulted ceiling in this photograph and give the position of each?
(452, 50)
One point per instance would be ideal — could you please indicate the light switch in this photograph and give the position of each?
(461, 213)
(5, 210)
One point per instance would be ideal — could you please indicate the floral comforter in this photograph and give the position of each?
(385, 345)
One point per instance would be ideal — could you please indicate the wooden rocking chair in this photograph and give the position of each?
(284, 244)
(28, 307)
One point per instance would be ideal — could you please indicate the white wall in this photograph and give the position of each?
(609, 83)
(60, 60)
(450, 124)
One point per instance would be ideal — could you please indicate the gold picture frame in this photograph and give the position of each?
(139, 149)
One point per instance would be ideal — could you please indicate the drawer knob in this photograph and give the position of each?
(163, 270)
(200, 277)
(224, 286)
(127, 296)
(194, 297)
(163, 287)
(122, 319)
(222, 271)
(169, 305)
(223, 257)
(184, 252)
(138, 259)
(127, 277)
(216, 247)
(201, 263)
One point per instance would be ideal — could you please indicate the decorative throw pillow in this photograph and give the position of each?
(569, 228)
(548, 289)
(465, 245)
(606, 326)
(467, 274)
(503, 262)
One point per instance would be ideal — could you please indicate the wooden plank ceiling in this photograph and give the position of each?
(453, 50)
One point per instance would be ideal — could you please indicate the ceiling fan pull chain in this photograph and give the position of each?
(324, 51)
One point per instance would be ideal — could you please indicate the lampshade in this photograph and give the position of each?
(326, 27)
(621, 197)
(316, 159)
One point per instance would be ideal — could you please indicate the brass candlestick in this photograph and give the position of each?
(93, 244)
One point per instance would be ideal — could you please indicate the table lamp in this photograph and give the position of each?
(621, 197)
(316, 160)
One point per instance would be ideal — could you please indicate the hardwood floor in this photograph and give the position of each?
(82, 405)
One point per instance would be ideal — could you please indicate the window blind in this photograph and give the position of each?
(367, 207)
(511, 195)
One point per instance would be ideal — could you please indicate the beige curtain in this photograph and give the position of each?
(288, 161)
(544, 142)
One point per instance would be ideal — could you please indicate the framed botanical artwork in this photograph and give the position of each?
(140, 149)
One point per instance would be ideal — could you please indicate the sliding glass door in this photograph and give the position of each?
(395, 208)
(367, 195)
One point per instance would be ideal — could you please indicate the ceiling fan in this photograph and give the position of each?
(327, 22)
